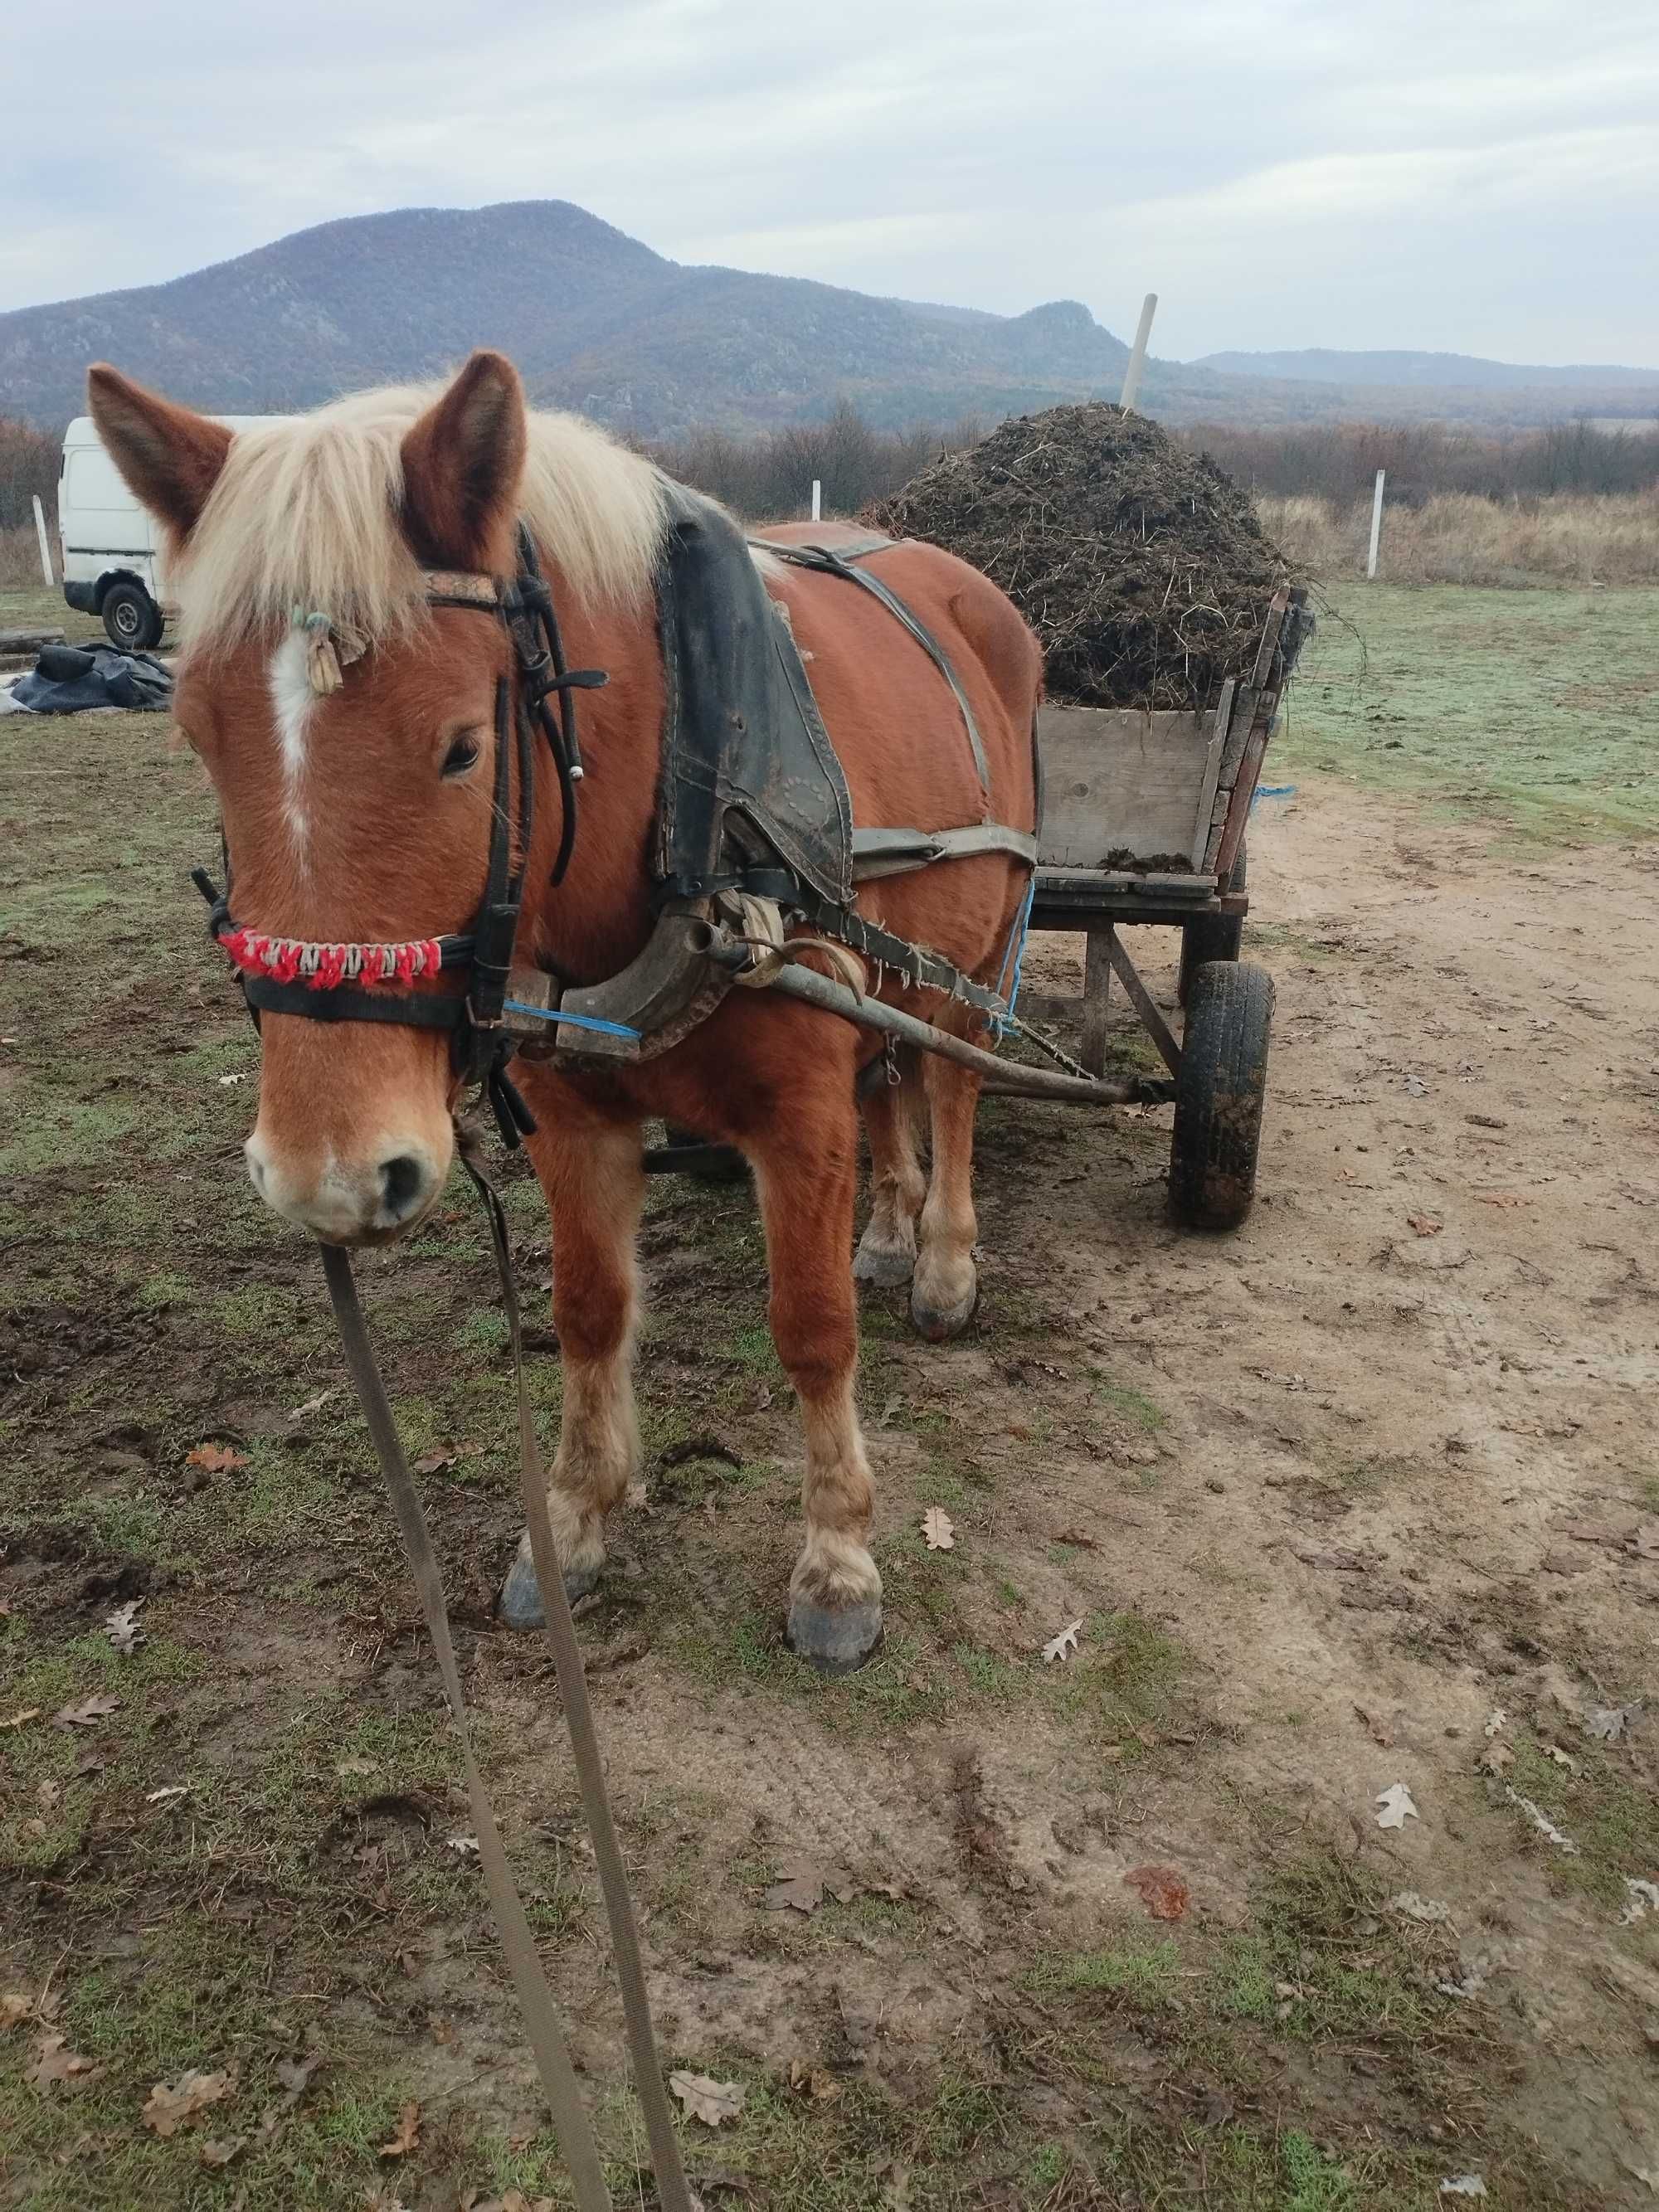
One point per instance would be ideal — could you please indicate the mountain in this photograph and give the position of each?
(594, 319)
(597, 321)
(1444, 372)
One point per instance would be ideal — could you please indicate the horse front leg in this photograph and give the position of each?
(806, 1169)
(593, 1174)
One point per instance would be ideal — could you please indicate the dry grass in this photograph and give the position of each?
(20, 558)
(1457, 539)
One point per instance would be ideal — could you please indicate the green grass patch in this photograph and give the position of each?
(1144, 1972)
(1531, 709)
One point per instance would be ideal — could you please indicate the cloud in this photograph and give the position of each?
(1484, 178)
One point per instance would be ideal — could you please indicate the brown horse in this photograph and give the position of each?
(365, 815)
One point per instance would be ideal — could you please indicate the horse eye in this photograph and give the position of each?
(461, 756)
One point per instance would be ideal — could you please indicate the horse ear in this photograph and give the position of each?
(170, 456)
(462, 466)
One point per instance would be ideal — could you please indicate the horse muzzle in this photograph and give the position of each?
(372, 1201)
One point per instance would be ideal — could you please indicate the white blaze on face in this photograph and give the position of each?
(291, 699)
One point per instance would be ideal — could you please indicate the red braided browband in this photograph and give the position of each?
(324, 967)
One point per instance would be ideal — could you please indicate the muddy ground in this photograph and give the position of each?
(1328, 1499)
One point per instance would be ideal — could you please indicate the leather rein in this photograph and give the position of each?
(323, 981)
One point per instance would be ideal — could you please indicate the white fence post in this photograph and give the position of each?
(1376, 523)
(817, 500)
(1131, 390)
(45, 546)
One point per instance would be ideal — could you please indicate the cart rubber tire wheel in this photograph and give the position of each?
(721, 1163)
(1212, 936)
(132, 621)
(1218, 1095)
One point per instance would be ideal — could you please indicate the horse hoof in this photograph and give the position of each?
(520, 1605)
(940, 1323)
(836, 1639)
(883, 1266)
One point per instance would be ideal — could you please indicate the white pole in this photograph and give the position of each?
(1376, 523)
(817, 500)
(46, 549)
(1131, 389)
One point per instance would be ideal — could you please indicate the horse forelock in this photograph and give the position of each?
(305, 514)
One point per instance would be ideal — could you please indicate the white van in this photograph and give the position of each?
(111, 549)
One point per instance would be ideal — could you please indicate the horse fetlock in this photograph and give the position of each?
(835, 1570)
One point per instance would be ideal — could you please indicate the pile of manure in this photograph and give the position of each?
(1139, 564)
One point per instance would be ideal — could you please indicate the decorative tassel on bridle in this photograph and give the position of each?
(329, 651)
(325, 967)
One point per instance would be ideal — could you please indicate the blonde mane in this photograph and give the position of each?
(305, 513)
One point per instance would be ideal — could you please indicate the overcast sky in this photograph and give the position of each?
(1476, 175)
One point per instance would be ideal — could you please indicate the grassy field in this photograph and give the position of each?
(241, 1863)
(1534, 711)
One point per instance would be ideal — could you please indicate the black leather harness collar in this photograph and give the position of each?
(480, 1044)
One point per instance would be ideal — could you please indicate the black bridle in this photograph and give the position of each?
(481, 1046)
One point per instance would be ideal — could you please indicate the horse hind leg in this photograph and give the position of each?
(594, 1182)
(946, 1288)
(887, 1251)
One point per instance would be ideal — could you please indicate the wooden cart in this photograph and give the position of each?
(1144, 821)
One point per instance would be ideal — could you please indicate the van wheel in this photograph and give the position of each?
(132, 621)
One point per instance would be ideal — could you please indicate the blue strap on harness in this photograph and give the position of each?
(1015, 956)
(572, 1021)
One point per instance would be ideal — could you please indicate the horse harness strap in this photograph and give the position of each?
(546, 2035)
(845, 564)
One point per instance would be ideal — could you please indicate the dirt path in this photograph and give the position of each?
(1326, 1498)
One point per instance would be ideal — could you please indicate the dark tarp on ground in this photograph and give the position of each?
(66, 681)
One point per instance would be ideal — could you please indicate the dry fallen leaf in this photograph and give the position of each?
(313, 1405)
(122, 1627)
(88, 1713)
(1609, 1723)
(14, 2009)
(1425, 1224)
(708, 2101)
(216, 1459)
(55, 2062)
(1060, 1646)
(408, 2136)
(810, 2081)
(464, 1847)
(435, 1463)
(172, 2104)
(294, 2074)
(1397, 1806)
(22, 1720)
(218, 2154)
(799, 1888)
(1162, 1891)
(1496, 1719)
(939, 1531)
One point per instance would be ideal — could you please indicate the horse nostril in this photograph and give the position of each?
(403, 1182)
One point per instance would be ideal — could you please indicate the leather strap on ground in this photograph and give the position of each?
(542, 2026)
